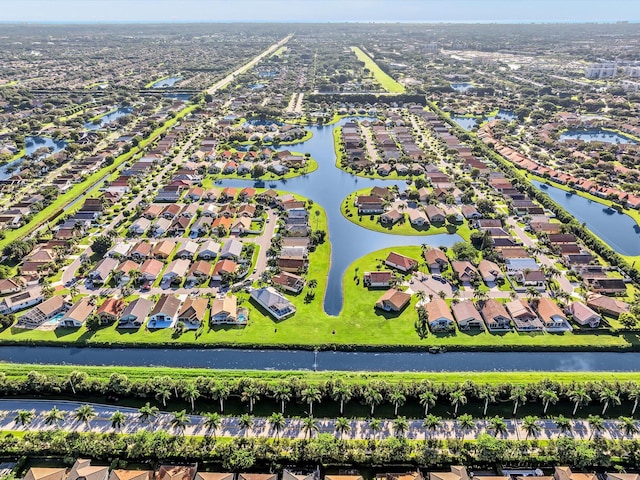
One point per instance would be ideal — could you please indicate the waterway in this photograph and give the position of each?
(235, 359)
(461, 87)
(108, 118)
(595, 135)
(166, 83)
(618, 230)
(328, 186)
(31, 144)
(467, 123)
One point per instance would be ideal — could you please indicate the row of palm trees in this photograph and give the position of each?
(277, 421)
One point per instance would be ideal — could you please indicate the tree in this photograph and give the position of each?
(633, 394)
(277, 422)
(212, 422)
(498, 426)
(548, 397)
(343, 425)
(245, 422)
(147, 412)
(457, 398)
(519, 397)
(309, 396)
(563, 424)
(397, 398)
(24, 417)
(372, 397)
(400, 426)
(220, 392)
(117, 420)
(432, 422)
(628, 320)
(282, 394)
(101, 245)
(628, 426)
(54, 417)
(488, 394)
(190, 394)
(163, 393)
(341, 393)
(309, 426)
(596, 423)
(609, 396)
(375, 425)
(466, 424)
(427, 399)
(579, 397)
(84, 413)
(251, 394)
(180, 421)
(530, 426)
(77, 378)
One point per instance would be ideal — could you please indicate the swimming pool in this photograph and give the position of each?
(55, 319)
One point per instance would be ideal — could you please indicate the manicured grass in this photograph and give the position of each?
(150, 84)
(387, 82)
(372, 222)
(209, 180)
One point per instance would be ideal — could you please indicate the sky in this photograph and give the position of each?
(465, 11)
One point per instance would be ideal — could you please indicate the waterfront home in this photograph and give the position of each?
(176, 271)
(110, 310)
(135, 313)
(551, 315)
(495, 315)
(436, 260)
(21, 301)
(165, 312)
(193, 311)
(42, 312)
(369, 204)
(391, 217)
(379, 279)
(274, 303)
(208, 250)
(435, 214)
(102, 270)
(400, 262)
(288, 281)
(150, 269)
(292, 265)
(417, 217)
(393, 300)
(583, 315)
(607, 305)
(225, 310)
(77, 314)
(467, 315)
(440, 318)
(524, 318)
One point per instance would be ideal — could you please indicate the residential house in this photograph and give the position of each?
(125, 269)
(208, 250)
(176, 271)
(435, 214)
(400, 262)
(163, 249)
(225, 310)
(489, 271)
(176, 472)
(199, 272)
(42, 312)
(193, 311)
(131, 475)
(464, 271)
(102, 271)
(110, 310)
(565, 473)
(607, 305)
(83, 470)
(179, 226)
(10, 285)
(393, 300)
(223, 268)
(495, 315)
(436, 260)
(232, 250)
(292, 265)
(241, 226)
(368, 204)
(150, 269)
(467, 315)
(275, 304)
(391, 217)
(187, 250)
(165, 312)
(77, 314)
(140, 226)
(440, 318)
(136, 313)
(378, 279)
(40, 473)
(524, 318)
(22, 300)
(160, 226)
(609, 286)
(551, 315)
(289, 282)
(140, 251)
(418, 218)
(583, 315)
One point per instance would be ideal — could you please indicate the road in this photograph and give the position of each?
(359, 429)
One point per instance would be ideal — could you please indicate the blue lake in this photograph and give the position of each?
(467, 123)
(328, 186)
(31, 144)
(595, 135)
(618, 230)
(108, 118)
(166, 83)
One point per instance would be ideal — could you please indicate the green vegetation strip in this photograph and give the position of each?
(387, 82)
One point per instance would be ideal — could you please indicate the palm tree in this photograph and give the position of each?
(548, 397)
(580, 398)
(147, 412)
(277, 422)
(54, 417)
(564, 424)
(76, 378)
(163, 394)
(117, 420)
(628, 426)
(634, 395)
(312, 284)
(84, 413)
(309, 426)
(190, 394)
(180, 421)
(530, 426)
(519, 397)
(432, 422)
(250, 394)
(310, 395)
(596, 423)
(212, 422)
(400, 426)
(427, 399)
(282, 394)
(532, 293)
(220, 392)
(24, 417)
(375, 425)
(245, 422)
(466, 424)
(457, 398)
(488, 394)
(343, 425)
(498, 426)
(341, 393)
(397, 398)
(609, 396)
(372, 397)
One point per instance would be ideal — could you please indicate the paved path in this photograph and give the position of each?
(261, 428)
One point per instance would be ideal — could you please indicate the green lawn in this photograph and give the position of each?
(209, 180)
(150, 84)
(387, 82)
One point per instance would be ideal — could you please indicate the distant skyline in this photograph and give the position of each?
(455, 11)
